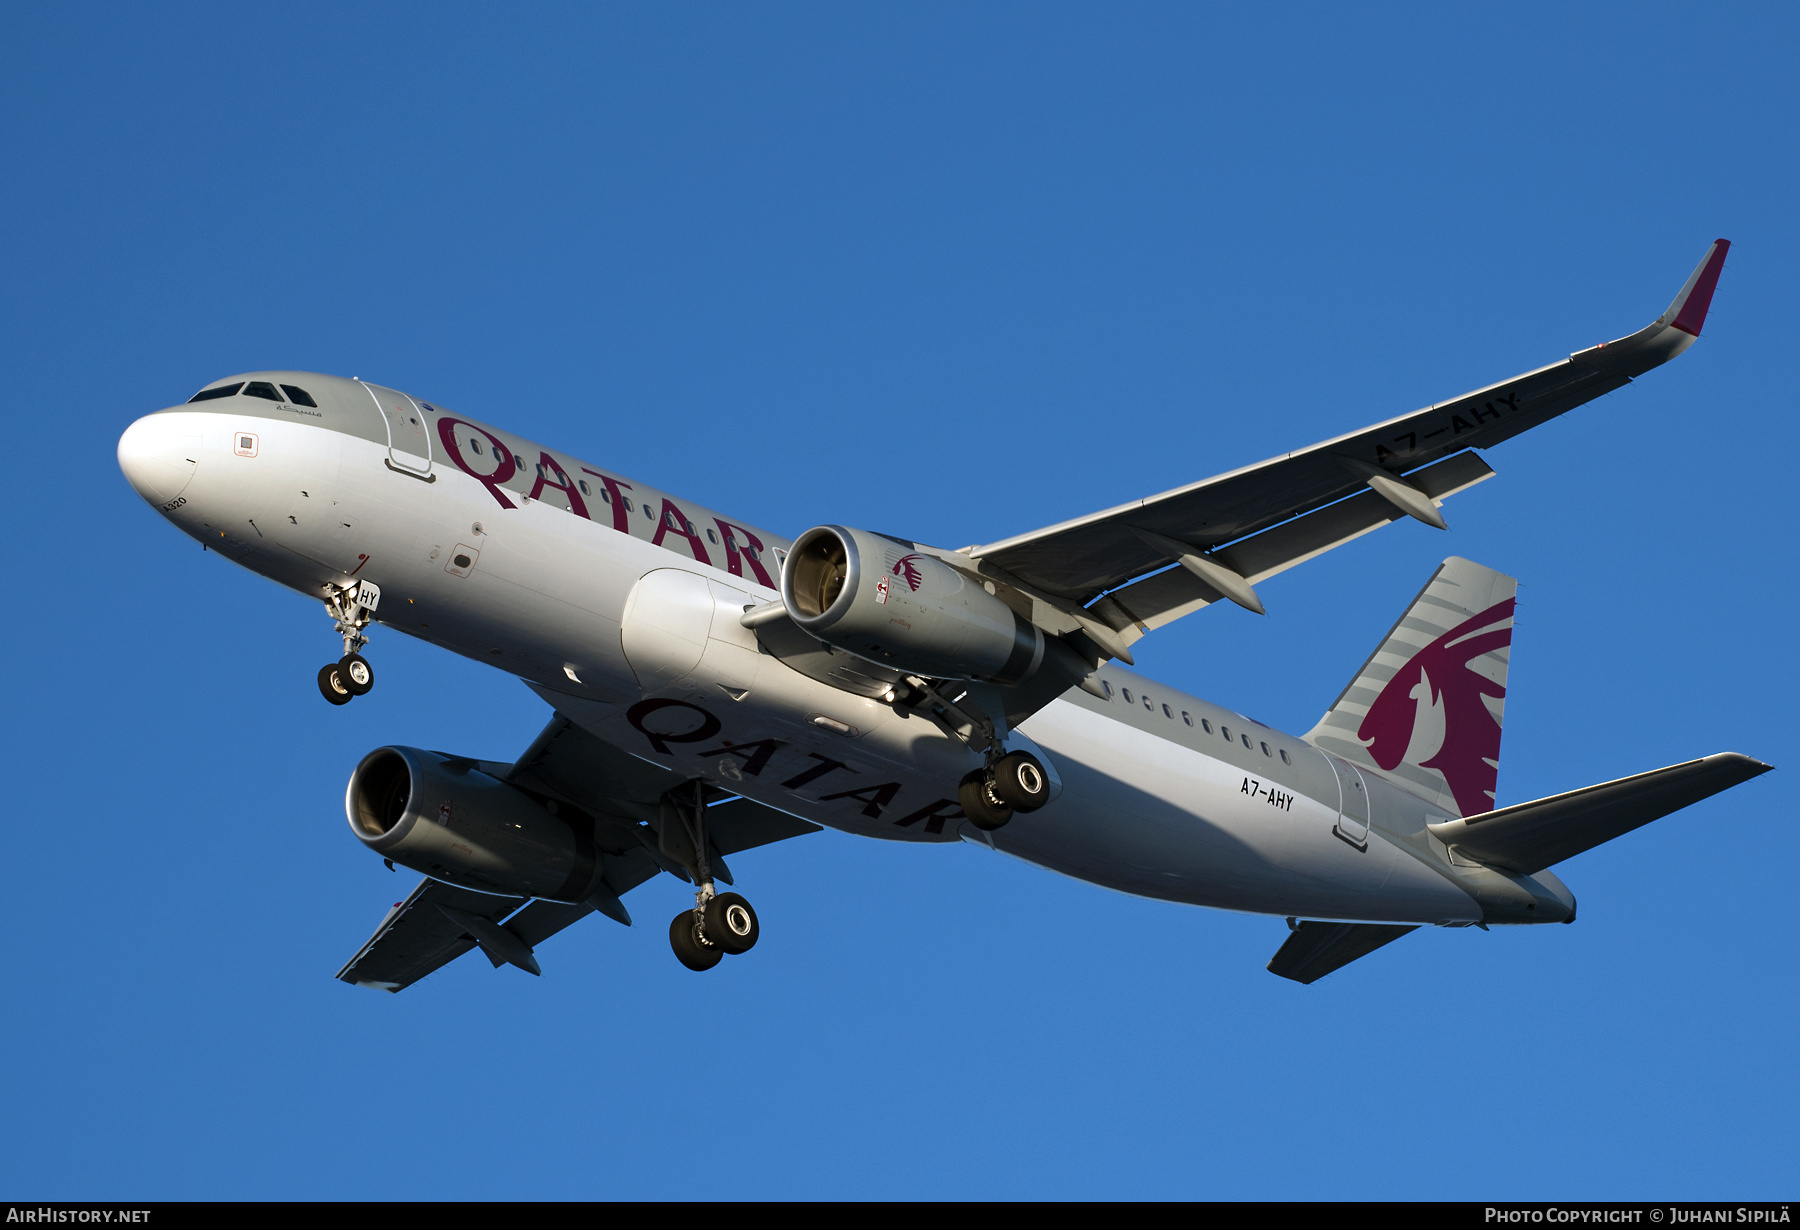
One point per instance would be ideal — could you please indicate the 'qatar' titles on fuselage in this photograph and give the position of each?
(620, 604)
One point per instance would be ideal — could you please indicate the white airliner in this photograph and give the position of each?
(718, 686)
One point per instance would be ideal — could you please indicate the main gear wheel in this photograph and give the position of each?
(691, 946)
(985, 809)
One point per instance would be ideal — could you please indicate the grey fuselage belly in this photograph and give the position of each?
(620, 605)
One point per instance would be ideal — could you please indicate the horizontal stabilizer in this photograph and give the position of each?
(1315, 949)
(1532, 836)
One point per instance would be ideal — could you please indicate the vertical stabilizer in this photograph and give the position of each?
(1426, 707)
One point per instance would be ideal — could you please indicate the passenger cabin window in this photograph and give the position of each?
(712, 537)
(263, 389)
(1187, 717)
(1284, 757)
(1226, 731)
(1168, 712)
(299, 396)
(476, 445)
(1246, 739)
(582, 483)
(628, 505)
(1149, 705)
(224, 390)
(1266, 751)
(1107, 688)
(649, 513)
(1128, 696)
(1206, 726)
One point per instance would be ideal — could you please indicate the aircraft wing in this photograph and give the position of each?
(1241, 527)
(417, 937)
(593, 782)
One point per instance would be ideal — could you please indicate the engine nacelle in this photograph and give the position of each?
(879, 599)
(443, 816)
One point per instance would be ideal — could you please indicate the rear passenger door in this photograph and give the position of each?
(409, 438)
(1353, 805)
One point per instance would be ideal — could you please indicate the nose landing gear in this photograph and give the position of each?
(352, 607)
(720, 924)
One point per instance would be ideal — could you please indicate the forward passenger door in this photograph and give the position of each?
(409, 435)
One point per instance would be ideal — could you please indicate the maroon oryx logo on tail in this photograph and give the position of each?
(1433, 708)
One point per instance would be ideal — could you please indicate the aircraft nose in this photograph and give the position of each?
(159, 454)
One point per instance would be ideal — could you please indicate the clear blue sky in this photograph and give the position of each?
(952, 272)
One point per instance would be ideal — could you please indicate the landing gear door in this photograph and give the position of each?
(409, 435)
(1353, 805)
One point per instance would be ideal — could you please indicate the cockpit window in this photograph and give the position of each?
(261, 388)
(299, 396)
(224, 390)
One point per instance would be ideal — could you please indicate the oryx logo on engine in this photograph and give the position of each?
(908, 571)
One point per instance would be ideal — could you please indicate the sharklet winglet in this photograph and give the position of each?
(1688, 312)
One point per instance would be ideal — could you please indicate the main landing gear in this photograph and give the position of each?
(720, 924)
(353, 608)
(1014, 782)
(1007, 782)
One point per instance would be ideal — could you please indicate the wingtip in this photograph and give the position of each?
(1688, 312)
(1749, 766)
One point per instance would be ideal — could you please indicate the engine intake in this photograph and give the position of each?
(446, 818)
(878, 598)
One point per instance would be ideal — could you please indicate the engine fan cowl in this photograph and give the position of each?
(878, 598)
(444, 817)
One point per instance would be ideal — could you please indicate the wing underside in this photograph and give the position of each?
(1258, 520)
(622, 797)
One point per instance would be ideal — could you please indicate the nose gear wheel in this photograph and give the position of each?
(331, 685)
(357, 674)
